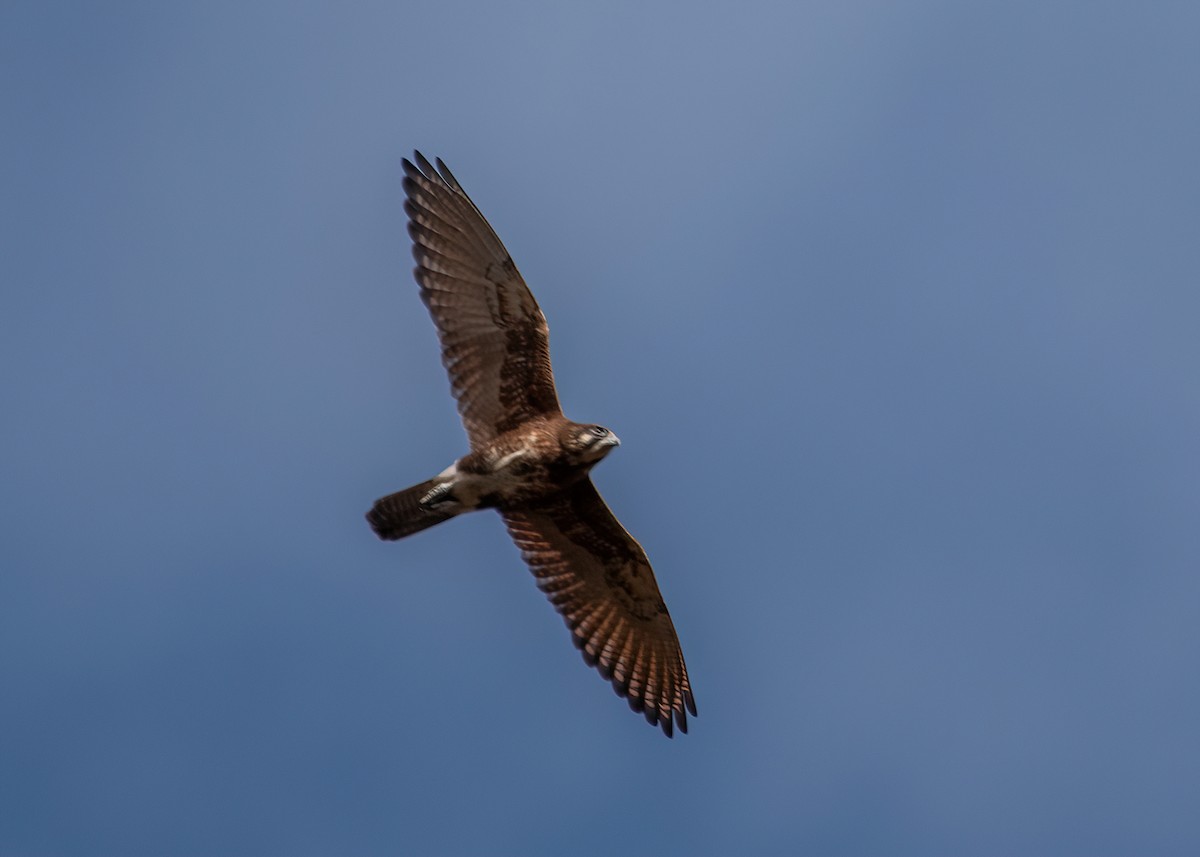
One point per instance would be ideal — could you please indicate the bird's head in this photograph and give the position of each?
(589, 443)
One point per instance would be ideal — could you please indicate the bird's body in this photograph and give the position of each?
(527, 460)
(540, 459)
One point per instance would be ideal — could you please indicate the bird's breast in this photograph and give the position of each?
(508, 475)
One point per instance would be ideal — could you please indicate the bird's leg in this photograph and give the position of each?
(438, 494)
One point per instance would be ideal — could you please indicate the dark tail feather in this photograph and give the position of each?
(401, 514)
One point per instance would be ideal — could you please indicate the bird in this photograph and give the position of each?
(527, 460)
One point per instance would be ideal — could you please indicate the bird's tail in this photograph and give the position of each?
(402, 514)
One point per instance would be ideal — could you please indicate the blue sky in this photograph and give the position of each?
(893, 305)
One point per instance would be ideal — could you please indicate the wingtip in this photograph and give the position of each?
(447, 176)
(421, 168)
(667, 728)
(423, 163)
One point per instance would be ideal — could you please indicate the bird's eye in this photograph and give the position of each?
(599, 431)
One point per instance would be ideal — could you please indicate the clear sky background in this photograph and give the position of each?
(895, 306)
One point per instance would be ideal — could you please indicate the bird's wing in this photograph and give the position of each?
(599, 579)
(495, 342)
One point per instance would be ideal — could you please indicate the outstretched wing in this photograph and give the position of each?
(599, 579)
(495, 342)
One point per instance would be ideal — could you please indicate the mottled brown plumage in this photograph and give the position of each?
(495, 342)
(527, 460)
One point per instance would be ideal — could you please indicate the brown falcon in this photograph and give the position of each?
(527, 460)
